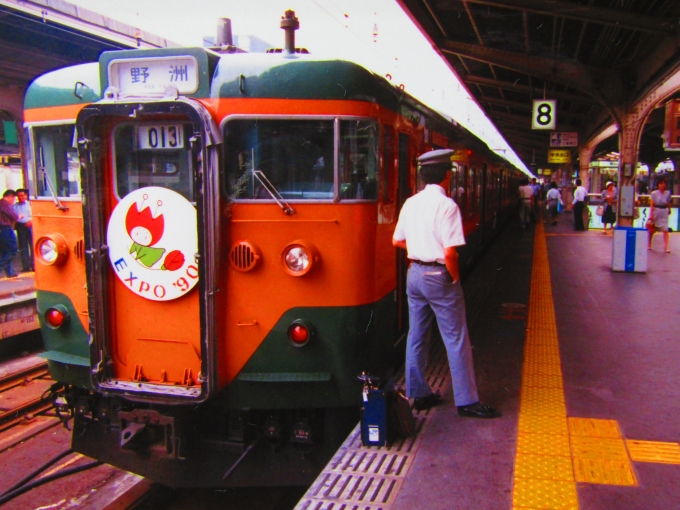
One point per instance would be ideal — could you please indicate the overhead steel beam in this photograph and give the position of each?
(568, 72)
(525, 122)
(561, 113)
(526, 89)
(582, 12)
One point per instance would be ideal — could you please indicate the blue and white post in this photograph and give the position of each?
(629, 253)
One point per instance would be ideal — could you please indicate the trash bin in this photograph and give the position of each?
(629, 252)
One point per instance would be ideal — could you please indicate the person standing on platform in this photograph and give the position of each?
(526, 197)
(659, 212)
(580, 196)
(24, 227)
(609, 196)
(553, 198)
(536, 200)
(429, 229)
(8, 241)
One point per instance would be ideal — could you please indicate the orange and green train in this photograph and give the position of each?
(215, 260)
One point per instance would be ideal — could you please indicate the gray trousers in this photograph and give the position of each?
(431, 294)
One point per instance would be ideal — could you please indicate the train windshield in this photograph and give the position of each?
(297, 156)
(58, 166)
(153, 154)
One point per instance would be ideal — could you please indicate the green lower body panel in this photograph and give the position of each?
(67, 348)
(323, 373)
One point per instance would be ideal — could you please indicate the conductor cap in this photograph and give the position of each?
(436, 157)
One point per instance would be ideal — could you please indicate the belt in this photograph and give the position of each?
(660, 206)
(526, 199)
(421, 263)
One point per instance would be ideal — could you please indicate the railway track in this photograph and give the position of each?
(23, 386)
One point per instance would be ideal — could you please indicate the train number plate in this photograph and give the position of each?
(160, 136)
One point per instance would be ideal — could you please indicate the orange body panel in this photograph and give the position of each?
(356, 267)
(66, 113)
(154, 334)
(68, 278)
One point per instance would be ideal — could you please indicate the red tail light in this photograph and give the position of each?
(298, 334)
(56, 316)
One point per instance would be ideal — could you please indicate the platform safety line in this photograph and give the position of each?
(544, 472)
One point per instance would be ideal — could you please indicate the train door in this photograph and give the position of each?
(150, 197)
(483, 203)
(403, 192)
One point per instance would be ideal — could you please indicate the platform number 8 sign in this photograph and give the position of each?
(544, 114)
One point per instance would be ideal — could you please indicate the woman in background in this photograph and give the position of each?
(659, 212)
(609, 196)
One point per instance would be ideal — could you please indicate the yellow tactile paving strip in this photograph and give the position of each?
(544, 472)
(555, 452)
(653, 451)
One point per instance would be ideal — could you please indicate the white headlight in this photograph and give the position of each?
(297, 259)
(51, 249)
(48, 251)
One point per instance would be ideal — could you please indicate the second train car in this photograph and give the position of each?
(213, 234)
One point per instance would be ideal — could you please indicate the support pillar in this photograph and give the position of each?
(584, 155)
(629, 146)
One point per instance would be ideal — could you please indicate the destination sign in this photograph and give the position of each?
(151, 76)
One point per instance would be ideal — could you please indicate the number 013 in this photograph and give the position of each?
(544, 114)
(160, 136)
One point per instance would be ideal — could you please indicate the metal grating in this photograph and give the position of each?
(243, 256)
(79, 250)
(369, 478)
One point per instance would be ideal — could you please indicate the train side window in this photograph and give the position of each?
(388, 163)
(472, 192)
(295, 156)
(57, 163)
(157, 154)
(358, 163)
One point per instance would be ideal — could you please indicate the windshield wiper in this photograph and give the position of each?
(271, 189)
(41, 163)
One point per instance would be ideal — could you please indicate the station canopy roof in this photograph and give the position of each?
(593, 56)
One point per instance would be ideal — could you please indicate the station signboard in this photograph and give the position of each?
(559, 156)
(564, 139)
(460, 156)
(671, 131)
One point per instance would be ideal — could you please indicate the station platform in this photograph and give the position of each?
(580, 360)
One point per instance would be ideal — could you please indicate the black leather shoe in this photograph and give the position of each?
(478, 410)
(433, 399)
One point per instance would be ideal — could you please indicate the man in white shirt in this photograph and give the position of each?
(580, 195)
(24, 228)
(526, 197)
(430, 229)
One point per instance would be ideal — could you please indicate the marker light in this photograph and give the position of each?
(300, 332)
(56, 316)
(299, 258)
(52, 249)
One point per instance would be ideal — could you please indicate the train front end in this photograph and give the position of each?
(238, 273)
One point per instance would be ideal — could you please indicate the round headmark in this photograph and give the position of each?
(152, 241)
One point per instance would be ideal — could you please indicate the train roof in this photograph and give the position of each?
(255, 75)
(78, 84)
